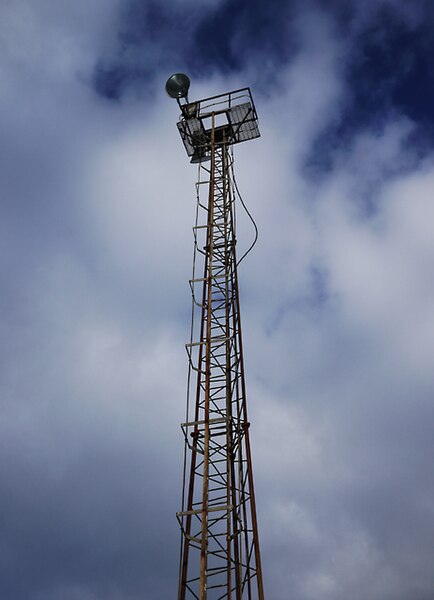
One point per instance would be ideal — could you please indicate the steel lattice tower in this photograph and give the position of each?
(219, 555)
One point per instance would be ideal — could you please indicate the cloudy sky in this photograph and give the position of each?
(97, 199)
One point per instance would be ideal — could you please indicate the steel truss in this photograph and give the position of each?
(220, 556)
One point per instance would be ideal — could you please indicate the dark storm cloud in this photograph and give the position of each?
(224, 38)
(387, 72)
(384, 63)
(148, 32)
(239, 33)
(150, 36)
(390, 66)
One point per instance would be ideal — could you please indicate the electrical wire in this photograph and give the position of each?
(247, 211)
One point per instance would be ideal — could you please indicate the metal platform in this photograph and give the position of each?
(235, 121)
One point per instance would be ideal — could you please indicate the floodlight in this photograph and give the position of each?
(177, 86)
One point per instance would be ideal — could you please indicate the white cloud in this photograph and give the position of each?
(97, 256)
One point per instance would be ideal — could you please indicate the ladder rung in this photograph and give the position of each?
(206, 278)
(218, 339)
(191, 423)
(223, 507)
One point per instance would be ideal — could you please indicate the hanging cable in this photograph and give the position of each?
(246, 209)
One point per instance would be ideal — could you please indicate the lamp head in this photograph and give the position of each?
(177, 86)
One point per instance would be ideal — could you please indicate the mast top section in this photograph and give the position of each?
(235, 121)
